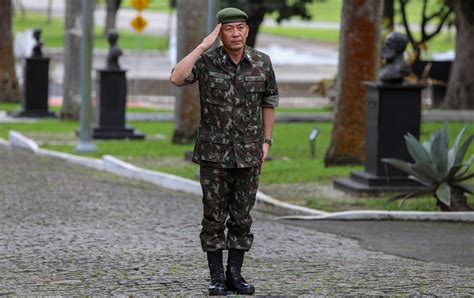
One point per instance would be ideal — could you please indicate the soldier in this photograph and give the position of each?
(238, 94)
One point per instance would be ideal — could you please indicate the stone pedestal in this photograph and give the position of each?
(392, 112)
(35, 86)
(110, 107)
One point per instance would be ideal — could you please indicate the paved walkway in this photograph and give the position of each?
(67, 230)
(441, 242)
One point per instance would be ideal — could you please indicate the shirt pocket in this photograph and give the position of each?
(212, 146)
(254, 88)
(255, 84)
(218, 86)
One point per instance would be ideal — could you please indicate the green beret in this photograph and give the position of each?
(231, 15)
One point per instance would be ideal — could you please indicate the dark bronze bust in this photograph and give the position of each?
(395, 67)
(37, 48)
(114, 52)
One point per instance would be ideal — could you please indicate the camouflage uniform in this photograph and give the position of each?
(229, 142)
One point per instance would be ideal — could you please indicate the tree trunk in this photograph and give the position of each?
(388, 15)
(72, 47)
(460, 92)
(50, 11)
(111, 16)
(255, 20)
(192, 25)
(9, 89)
(358, 61)
(458, 201)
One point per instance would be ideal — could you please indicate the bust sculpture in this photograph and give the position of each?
(114, 52)
(37, 48)
(395, 67)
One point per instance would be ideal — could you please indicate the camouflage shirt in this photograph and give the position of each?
(232, 96)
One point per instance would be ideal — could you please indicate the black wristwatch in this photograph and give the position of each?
(268, 141)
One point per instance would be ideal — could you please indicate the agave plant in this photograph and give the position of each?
(441, 170)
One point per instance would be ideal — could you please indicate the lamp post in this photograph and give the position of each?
(312, 141)
(211, 15)
(85, 132)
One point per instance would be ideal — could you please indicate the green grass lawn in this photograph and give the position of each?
(306, 110)
(11, 107)
(330, 11)
(53, 34)
(325, 35)
(291, 162)
(323, 11)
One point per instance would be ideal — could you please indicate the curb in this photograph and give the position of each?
(291, 117)
(118, 167)
(74, 159)
(389, 215)
(18, 140)
(263, 203)
(4, 143)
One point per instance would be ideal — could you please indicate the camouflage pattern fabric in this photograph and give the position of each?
(229, 142)
(232, 96)
(228, 193)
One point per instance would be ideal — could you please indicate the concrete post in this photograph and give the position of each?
(85, 133)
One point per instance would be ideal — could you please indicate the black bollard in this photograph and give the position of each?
(36, 83)
(112, 100)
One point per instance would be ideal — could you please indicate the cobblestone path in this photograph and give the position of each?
(67, 230)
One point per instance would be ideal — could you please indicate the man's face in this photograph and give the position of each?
(234, 35)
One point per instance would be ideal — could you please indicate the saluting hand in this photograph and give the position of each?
(209, 40)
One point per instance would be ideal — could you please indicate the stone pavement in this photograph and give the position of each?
(67, 230)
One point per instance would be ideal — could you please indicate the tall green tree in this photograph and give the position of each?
(257, 10)
(9, 89)
(460, 93)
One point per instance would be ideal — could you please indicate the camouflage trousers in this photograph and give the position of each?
(228, 197)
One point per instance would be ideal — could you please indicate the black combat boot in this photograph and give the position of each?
(235, 281)
(217, 285)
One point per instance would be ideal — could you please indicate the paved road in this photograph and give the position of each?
(67, 230)
(443, 242)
